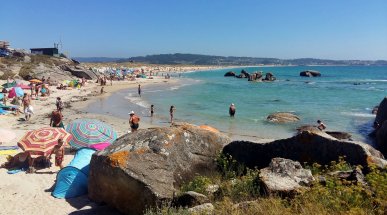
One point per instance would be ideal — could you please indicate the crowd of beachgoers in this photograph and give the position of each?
(29, 108)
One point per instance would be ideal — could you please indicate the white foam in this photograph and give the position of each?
(367, 115)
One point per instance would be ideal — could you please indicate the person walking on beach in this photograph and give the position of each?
(171, 111)
(139, 90)
(26, 101)
(232, 110)
(134, 121)
(321, 125)
(59, 153)
(152, 110)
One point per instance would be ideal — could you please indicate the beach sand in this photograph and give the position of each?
(28, 193)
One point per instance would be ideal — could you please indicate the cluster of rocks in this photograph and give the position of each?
(146, 168)
(255, 76)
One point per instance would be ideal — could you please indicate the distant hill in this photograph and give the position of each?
(197, 59)
(96, 59)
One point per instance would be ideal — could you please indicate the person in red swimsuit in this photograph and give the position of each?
(59, 153)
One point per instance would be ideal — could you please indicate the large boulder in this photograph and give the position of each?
(284, 177)
(229, 74)
(144, 168)
(310, 73)
(190, 199)
(381, 137)
(308, 146)
(79, 72)
(381, 114)
(282, 117)
(256, 76)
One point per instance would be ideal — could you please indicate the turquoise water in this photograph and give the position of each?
(342, 98)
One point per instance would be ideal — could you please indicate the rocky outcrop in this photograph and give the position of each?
(310, 73)
(243, 74)
(282, 117)
(381, 137)
(256, 76)
(381, 115)
(341, 135)
(79, 72)
(204, 209)
(269, 77)
(284, 177)
(355, 176)
(190, 199)
(144, 168)
(229, 74)
(375, 110)
(308, 146)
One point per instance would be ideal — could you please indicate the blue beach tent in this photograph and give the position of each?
(71, 181)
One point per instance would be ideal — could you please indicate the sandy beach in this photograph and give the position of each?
(27, 193)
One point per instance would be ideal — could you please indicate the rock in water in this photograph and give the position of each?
(229, 74)
(141, 169)
(284, 177)
(308, 146)
(381, 114)
(282, 117)
(310, 73)
(381, 137)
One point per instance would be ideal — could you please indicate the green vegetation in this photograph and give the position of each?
(238, 184)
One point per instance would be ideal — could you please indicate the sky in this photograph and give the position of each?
(286, 29)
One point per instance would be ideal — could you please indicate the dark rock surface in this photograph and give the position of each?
(307, 146)
(284, 177)
(310, 73)
(79, 72)
(282, 117)
(269, 77)
(142, 169)
(190, 199)
(229, 74)
(341, 135)
(381, 115)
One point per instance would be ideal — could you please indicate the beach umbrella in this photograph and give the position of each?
(42, 141)
(35, 81)
(90, 131)
(23, 86)
(6, 135)
(9, 85)
(15, 91)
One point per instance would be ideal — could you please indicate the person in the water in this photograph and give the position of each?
(232, 110)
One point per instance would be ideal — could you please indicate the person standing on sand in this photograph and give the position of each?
(59, 104)
(152, 110)
(139, 90)
(56, 119)
(59, 153)
(134, 121)
(171, 111)
(321, 125)
(232, 110)
(26, 102)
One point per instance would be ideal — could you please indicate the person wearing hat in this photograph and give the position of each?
(232, 110)
(134, 121)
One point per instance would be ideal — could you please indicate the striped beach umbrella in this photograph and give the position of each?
(87, 132)
(42, 141)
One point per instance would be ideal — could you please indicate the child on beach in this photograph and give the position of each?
(152, 110)
(139, 90)
(321, 125)
(59, 104)
(171, 110)
(59, 153)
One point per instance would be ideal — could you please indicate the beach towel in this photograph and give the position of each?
(8, 152)
(14, 171)
(9, 147)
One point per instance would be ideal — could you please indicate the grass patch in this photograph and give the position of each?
(239, 192)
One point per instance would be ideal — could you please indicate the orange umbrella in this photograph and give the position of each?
(35, 81)
(42, 141)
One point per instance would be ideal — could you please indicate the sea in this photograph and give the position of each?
(343, 98)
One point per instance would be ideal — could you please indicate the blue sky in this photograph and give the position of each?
(328, 29)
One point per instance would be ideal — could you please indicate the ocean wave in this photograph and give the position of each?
(137, 100)
(367, 115)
